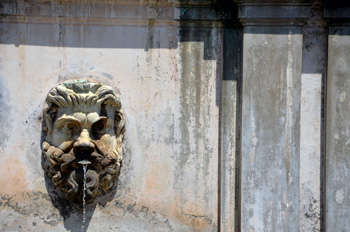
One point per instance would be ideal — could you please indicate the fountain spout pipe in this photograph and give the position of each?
(84, 162)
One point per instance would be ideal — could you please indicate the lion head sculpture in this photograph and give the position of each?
(84, 123)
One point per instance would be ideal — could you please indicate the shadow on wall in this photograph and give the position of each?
(125, 26)
(93, 25)
(73, 213)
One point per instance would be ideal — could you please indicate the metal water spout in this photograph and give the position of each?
(84, 163)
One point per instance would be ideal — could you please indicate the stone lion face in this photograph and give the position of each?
(81, 132)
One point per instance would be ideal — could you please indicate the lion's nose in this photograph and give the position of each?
(83, 143)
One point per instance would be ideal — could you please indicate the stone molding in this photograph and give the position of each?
(128, 2)
(113, 12)
(337, 16)
(273, 13)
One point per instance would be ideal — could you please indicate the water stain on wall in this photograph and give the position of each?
(5, 109)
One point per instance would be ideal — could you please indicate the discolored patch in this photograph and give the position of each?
(14, 171)
(5, 127)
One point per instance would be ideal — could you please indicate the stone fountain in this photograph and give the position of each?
(84, 125)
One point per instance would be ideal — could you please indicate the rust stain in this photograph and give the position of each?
(175, 211)
(15, 172)
(194, 214)
(191, 213)
(158, 179)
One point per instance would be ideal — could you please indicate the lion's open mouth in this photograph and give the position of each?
(66, 170)
(83, 156)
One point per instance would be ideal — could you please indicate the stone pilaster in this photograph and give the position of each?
(230, 128)
(311, 119)
(337, 190)
(271, 88)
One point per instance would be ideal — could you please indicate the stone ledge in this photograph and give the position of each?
(110, 2)
(273, 13)
(337, 15)
(121, 14)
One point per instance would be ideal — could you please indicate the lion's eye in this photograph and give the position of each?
(70, 126)
(99, 126)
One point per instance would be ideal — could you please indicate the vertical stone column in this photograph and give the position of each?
(271, 88)
(230, 115)
(337, 187)
(311, 116)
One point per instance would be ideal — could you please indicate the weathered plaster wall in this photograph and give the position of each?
(314, 60)
(230, 131)
(337, 162)
(270, 130)
(170, 86)
(231, 126)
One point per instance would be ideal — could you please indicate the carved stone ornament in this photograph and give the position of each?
(84, 122)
